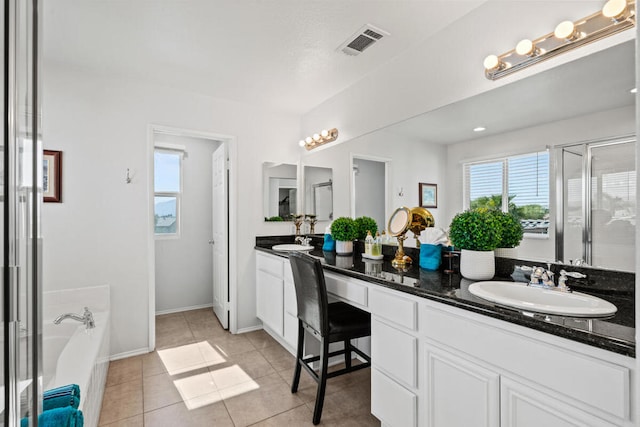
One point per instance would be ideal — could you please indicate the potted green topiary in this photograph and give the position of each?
(344, 231)
(364, 224)
(476, 232)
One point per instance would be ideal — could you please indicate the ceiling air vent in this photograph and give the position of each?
(362, 39)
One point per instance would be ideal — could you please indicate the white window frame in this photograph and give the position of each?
(466, 203)
(179, 150)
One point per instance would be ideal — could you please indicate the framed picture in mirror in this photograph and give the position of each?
(52, 176)
(428, 195)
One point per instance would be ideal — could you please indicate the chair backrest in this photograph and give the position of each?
(311, 291)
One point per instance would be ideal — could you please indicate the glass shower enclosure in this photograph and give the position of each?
(20, 197)
(596, 199)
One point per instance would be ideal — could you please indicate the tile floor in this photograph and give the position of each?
(201, 375)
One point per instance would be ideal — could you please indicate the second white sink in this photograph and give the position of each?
(521, 296)
(291, 247)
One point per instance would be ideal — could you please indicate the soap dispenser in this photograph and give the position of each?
(368, 244)
(329, 244)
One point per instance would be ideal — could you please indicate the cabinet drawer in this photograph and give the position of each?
(346, 289)
(269, 264)
(395, 352)
(399, 310)
(394, 405)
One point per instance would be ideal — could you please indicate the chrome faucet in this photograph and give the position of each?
(540, 277)
(562, 280)
(86, 318)
(303, 240)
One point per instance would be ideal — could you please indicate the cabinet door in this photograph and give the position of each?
(459, 392)
(270, 301)
(522, 406)
(394, 352)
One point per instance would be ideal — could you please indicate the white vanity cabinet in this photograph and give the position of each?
(270, 291)
(512, 376)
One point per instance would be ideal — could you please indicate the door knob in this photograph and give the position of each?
(212, 242)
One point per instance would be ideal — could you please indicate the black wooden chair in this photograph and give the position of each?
(329, 323)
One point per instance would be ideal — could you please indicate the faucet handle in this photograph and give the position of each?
(573, 274)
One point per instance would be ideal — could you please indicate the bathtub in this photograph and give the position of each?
(73, 354)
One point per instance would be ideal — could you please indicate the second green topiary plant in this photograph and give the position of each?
(364, 224)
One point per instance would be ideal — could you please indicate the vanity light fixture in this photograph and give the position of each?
(479, 129)
(319, 139)
(615, 16)
(634, 90)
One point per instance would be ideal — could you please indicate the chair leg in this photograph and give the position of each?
(347, 354)
(299, 356)
(322, 383)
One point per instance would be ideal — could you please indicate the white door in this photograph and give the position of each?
(220, 240)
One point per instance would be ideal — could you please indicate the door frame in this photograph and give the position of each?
(387, 172)
(231, 148)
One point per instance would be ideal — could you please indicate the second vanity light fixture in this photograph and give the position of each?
(319, 139)
(615, 16)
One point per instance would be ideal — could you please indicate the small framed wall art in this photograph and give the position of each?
(428, 195)
(52, 176)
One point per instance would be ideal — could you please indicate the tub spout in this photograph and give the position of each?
(86, 318)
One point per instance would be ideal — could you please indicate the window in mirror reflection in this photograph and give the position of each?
(521, 181)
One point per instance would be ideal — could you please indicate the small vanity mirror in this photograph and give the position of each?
(399, 224)
(318, 192)
(280, 191)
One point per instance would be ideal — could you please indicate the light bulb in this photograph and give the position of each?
(491, 62)
(614, 9)
(316, 137)
(634, 90)
(308, 140)
(479, 129)
(525, 47)
(324, 133)
(565, 30)
(301, 143)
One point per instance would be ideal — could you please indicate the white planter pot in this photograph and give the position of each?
(477, 265)
(344, 248)
(507, 253)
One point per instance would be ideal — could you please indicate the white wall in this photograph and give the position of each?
(100, 233)
(585, 128)
(184, 273)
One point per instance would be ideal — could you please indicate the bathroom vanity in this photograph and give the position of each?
(443, 357)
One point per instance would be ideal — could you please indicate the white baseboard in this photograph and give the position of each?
(181, 309)
(249, 329)
(126, 354)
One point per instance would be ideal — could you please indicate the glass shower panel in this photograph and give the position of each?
(613, 206)
(573, 215)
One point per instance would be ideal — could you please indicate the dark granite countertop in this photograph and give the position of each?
(616, 333)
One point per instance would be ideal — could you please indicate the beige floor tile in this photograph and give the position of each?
(183, 358)
(121, 401)
(299, 417)
(272, 397)
(137, 421)
(159, 391)
(174, 337)
(170, 320)
(230, 345)
(152, 364)
(307, 387)
(260, 339)
(207, 329)
(199, 315)
(280, 359)
(178, 416)
(349, 407)
(124, 370)
(252, 363)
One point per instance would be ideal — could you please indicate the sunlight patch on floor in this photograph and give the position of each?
(190, 357)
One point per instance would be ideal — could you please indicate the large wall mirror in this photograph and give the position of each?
(318, 192)
(586, 100)
(280, 195)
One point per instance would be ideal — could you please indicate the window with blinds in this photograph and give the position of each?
(517, 184)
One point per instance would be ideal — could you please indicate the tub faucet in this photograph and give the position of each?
(86, 318)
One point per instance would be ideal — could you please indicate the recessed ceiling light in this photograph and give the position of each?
(634, 90)
(479, 129)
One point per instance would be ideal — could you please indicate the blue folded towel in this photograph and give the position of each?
(430, 256)
(65, 390)
(58, 417)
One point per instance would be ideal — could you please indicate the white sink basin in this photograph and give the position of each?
(521, 296)
(291, 247)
